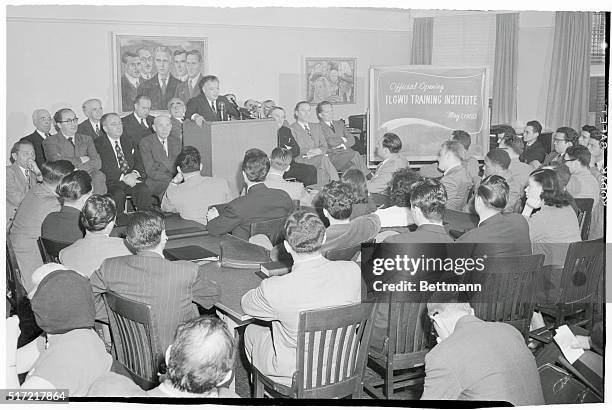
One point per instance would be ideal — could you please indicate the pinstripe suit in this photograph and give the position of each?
(168, 287)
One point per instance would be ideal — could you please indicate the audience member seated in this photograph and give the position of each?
(73, 356)
(64, 225)
(597, 153)
(497, 162)
(199, 360)
(176, 109)
(520, 171)
(280, 162)
(362, 202)
(22, 175)
(456, 179)
(39, 202)
(470, 163)
(337, 201)
(563, 176)
(563, 138)
(504, 130)
(585, 134)
(170, 288)
(477, 360)
(304, 173)
(339, 141)
(534, 152)
(209, 105)
(159, 152)
(79, 149)
(93, 112)
(87, 254)
(312, 143)
(583, 184)
(122, 165)
(388, 148)
(42, 121)
(313, 283)
(398, 214)
(497, 234)
(259, 204)
(190, 194)
(139, 123)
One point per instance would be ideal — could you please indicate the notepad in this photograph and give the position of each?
(189, 253)
(566, 339)
(278, 268)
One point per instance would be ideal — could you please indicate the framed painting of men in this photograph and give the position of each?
(159, 67)
(330, 79)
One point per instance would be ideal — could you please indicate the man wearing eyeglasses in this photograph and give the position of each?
(77, 148)
(563, 138)
(42, 122)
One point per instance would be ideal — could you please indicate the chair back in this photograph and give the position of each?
(582, 271)
(585, 210)
(50, 249)
(508, 290)
(332, 348)
(135, 342)
(295, 204)
(274, 229)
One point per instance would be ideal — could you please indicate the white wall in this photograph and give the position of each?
(61, 55)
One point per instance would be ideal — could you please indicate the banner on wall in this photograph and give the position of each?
(424, 104)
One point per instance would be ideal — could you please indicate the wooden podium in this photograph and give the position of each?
(222, 145)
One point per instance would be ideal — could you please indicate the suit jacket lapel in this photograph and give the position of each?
(20, 176)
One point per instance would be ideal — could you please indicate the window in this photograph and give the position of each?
(598, 38)
(597, 83)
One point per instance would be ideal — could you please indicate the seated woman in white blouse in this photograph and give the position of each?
(399, 215)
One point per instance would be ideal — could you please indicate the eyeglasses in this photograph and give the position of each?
(565, 160)
(559, 140)
(74, 120)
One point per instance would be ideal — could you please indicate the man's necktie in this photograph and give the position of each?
(27, 175)
(331, 125)
(98, 129)
(164, 82)
(137, 83)
(164, 142)
(125, 168)
(213, 106)
(47, 134)
(308, 131)
(144, 124)
(70, 139)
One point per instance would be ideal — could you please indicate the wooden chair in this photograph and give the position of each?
(349, 253)
(508, 290)
(585, 210)
(135, 343)
(581, 274)
(49, 249)
(274, 229)
(331, 355)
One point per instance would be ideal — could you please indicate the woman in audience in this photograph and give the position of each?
(398, 214)
(73, 355)
(63, 226)
(87, 254)
(362, 203)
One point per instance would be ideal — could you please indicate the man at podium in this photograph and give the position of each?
(210, 106)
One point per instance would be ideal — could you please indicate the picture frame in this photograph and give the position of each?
(330, 79)
(130, 73)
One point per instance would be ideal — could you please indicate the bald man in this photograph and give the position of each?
(42, 121)
(159, 152)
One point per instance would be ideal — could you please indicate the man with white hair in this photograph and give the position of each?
(42, 121)
(162, 86)
(92, 109)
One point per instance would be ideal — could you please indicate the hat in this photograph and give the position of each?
(64, 302)
(40, 273)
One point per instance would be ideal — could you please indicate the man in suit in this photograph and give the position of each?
(339, 141)
(259, 204)
(122, 165)
(520, 171)
(456, 179)
(42, 121)
(158, 154)
(470, 164)
(307, 174)
(176, 108)
(76, 148)
(313, 283)
(280, 162)
(389, 147)
(477, 360)
(130, 80)
(170, 288)
(534, 151)
(180, 65)
(139, 123)
(189, 88)
(497, 162)
(162, 86)
(312, 143)
(93, 111)
(207, 106)
(563, 138)
(22, 175)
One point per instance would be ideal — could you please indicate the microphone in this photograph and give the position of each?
(222, 109)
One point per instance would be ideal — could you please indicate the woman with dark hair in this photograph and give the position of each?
(87, 254)
(362, 203)
(398, 189)
(74, 189)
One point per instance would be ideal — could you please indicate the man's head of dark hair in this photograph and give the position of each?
(321, 105)
(256, 165)
(570, 134)
(493, 190)
(430, 197)
(392, 142)
(304, 231)
(98, 211)
(499, 157)
(54, 171)
(74, 185)
(144, 230)
(514, 143)
(506, 129)
(535, 125)
(206, 79)
(463, 138)
(588, 128)
(189, 159)
(400, 186)
(580, 154)
(337, 199)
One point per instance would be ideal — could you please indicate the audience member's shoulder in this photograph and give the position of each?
(512, 217)
(114, 385)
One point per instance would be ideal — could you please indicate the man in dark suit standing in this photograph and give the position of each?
(139, 123)
(190, 87)
(162, 86)
(159, 154)
(170, 288)
(93, 111)
(130, 80)
(259, 204)
(121, 163)
(207, 106)
(42, 121)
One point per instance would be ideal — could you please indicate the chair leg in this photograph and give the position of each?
(258, 386)
(388, 390)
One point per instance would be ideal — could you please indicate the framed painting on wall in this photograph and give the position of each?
(331, 79)
(157, 67)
